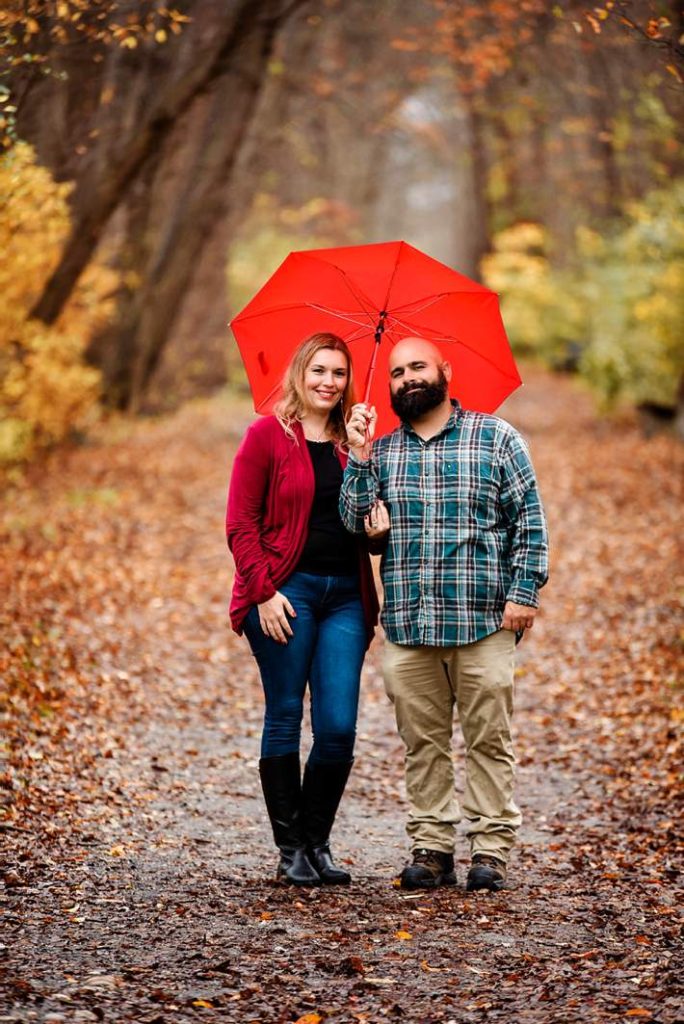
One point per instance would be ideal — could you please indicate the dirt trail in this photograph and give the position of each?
(137, 861)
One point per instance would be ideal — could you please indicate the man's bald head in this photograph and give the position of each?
(412, 349)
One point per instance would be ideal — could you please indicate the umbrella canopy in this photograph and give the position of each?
(373, 296)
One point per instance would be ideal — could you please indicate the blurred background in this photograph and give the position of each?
(160, 161)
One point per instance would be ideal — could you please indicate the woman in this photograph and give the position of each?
(304, 596)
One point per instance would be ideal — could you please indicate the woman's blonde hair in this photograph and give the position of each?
(292, 406)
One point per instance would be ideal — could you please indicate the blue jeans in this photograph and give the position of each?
(327, 652)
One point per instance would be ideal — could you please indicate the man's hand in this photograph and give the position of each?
(377, 522)
(361, 428)
(518, 616)
(273, 617)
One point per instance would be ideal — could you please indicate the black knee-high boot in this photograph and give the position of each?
(281, 783)
(322, 791)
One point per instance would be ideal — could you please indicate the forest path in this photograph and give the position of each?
(138, 862)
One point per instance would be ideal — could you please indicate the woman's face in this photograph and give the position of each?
(325, 379)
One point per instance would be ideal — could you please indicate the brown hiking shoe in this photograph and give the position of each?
(486, 873)
(428, 869)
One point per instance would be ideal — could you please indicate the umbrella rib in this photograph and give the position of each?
(298, 305)
(390, 329)
(454, 340)
(264, 401)
(408, 326)
(359, 294)
(358, 334)
(268, 312)
(429, 301)
(340, 314)
(362, 298)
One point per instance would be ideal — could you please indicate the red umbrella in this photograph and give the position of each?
(373, 296)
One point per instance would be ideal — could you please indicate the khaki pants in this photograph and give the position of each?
(424, 683)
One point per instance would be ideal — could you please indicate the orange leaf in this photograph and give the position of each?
(405, 45)
(638, 1011)
(309, 1018)
(404, 936)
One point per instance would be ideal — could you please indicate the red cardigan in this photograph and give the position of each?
(269, 503)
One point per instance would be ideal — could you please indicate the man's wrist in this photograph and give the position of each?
(360, 452)
(524, 592)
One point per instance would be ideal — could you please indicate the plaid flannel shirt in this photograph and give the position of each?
(467, 531)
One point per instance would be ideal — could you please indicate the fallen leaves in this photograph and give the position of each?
(132, 815)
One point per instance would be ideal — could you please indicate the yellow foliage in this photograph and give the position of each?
(635, 288)
(542, 315)
(46, 390)
(617, 312)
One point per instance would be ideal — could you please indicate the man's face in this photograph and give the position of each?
(418, 384)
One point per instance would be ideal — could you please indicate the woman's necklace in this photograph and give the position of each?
(320, 438)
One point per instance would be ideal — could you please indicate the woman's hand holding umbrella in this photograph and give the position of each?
(361, 429)
(360, 432)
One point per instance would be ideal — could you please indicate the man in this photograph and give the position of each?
(466, 555)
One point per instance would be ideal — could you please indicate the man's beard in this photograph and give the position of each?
(423, 398)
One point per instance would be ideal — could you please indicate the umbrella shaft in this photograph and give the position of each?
(371, 369)
(379, 330)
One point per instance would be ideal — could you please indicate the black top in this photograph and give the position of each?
(330, 550)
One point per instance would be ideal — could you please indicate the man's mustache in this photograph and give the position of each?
(411, 386)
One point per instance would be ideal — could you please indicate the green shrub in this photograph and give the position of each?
(634, 284)
(621, 309)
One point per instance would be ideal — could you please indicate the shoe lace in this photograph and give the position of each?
(424, 857)
(483, 858)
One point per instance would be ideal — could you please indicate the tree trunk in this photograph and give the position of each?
(206, 51)
(199, 355)
(603, 111)
(200, 205)
(481, 240)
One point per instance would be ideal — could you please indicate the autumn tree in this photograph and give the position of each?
(155, 112)
(188, 129)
